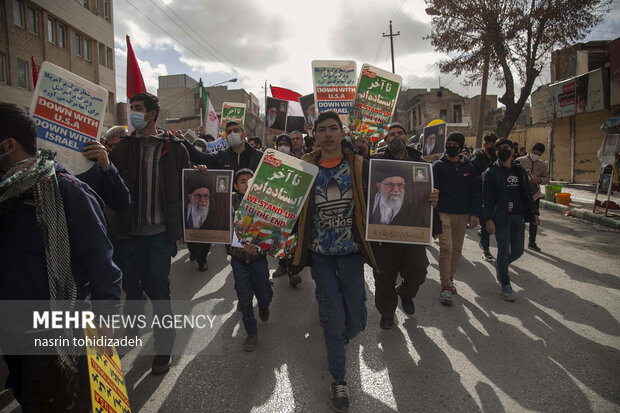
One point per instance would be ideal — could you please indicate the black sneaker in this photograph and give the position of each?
(161, 364)
(263, 313)
(340, 396)
(250, 342)
(279, 272)
(202, 267)
(486, 255)
(408, 305)
(386, 322)
(294, 279)
(534, 247)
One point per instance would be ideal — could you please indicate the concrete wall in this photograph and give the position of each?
(18, 43)
(588, 139)
(528, 136)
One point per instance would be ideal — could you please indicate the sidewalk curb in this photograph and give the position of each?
(581, 214)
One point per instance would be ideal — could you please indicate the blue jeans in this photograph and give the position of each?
(341, 296)
(510, 239)
(251, 280)
(148, 266)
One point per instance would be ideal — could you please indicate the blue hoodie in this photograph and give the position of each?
(459, 189)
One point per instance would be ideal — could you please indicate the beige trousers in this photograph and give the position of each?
(450, 244)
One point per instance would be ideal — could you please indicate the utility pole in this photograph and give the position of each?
(391, 36)
(265, 127)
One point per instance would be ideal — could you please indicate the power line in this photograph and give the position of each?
(200, 38)
(374, 62)
(400, 9)
(167, 32)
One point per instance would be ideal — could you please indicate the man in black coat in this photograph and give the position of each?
(481, 162)
(407, 259)
(238, 155)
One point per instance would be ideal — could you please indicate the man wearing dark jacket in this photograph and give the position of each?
(507, 203)
(481, 162)
(53, 247)
(459, 202)
(238, 155)
(104, 178)
(151, 164)
(407, 259)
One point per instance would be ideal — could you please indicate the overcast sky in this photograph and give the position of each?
(276, 41)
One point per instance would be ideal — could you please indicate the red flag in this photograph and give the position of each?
(284, 94)
(135, 82)
(35, 72)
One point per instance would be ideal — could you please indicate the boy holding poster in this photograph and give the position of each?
(250, 270)
(330, 239)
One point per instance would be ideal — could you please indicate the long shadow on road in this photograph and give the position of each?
(481, 354)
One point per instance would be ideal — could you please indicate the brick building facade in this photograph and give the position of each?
(77, 35)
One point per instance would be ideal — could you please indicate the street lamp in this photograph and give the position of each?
(233, 80)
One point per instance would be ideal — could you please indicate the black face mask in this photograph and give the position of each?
(452, 151)
(504, 154)
(397, 145)
(492, 151)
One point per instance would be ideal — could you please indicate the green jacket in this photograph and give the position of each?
(173, 160)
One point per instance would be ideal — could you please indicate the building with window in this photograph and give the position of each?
(427, 105)
(77, 35)
(584, 92)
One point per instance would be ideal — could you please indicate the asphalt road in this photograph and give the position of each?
(557, 348)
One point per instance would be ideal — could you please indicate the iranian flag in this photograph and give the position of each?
(208, 117)
(294, 107)
(135, 82)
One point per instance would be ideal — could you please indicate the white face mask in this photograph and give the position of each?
(534, 157)
(234, 139)
(284, 149)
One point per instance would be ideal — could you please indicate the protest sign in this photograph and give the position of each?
(207, 199)
(232, 111)
(277, 110)
(334, 86)
(68, 112)
(294, 123)
(434, 140)
(217, 145)
(398, 208)
(308, 108)
(375, 101)
(108, 390)
(190, 136)
(272, 203)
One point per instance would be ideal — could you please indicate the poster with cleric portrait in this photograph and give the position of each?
(309, 109)
(434, 141)
(398, 210)
(207, 201)
(275, 118)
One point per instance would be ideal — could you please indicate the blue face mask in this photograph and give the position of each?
(137, 120)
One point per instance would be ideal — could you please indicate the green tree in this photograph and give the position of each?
(519, 36)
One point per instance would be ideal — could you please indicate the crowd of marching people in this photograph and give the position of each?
(118, 225)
